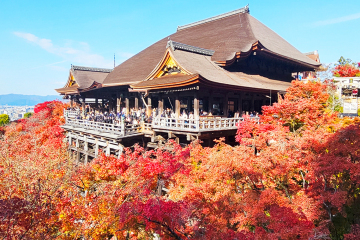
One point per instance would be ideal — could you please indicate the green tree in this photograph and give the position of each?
(28, 114)
(342, 61)
(4, 119)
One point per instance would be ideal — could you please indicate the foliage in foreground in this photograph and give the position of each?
(4, 119)
(346, 68)
(294, 176)
(28, 114)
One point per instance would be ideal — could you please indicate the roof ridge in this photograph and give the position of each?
(91, 69)
(189, 48)
(241, 10)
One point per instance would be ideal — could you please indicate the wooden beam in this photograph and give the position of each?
(196, 106)
(121, 148)
(211, 100)
(226, 105)
(127, 105)
(136, 103)
(83, 105)
(252, 102)
(86, 149)
(107, 153)
(189, 104)
(149, 109)
(118, 103)
(96, 147)
(110, 104)
(177, 105)
(240, 103)
(160, 105)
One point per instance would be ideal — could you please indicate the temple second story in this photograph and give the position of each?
(197, 82)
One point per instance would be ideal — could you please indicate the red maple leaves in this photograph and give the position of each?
(293, 176)
(347, 70)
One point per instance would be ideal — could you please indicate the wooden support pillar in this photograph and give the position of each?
(226, 105)
(77, 150)
(160, 105)
(121, 148)
(83, 106)
(189, 104)
(196, 107)
(96, 147)
(110, 104)
(136, 103)
(70, 140)
(211, 101)
(127, 105)
(252, 106)
(86, 149)
(102, 104)
(149, 109)
(71, 102)
(240, 103)
(177, 105)
(107, 152)
(118, 103)
(96, 103)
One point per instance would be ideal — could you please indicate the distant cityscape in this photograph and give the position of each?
(15, 112)
(16, 105)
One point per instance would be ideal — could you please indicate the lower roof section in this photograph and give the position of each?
(200, 69)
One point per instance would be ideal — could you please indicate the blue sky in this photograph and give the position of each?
(39, 40)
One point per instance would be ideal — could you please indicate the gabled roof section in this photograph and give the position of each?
(231, 35)
(272, 42)
(83, 79)
(168, 65)
(86, 76)
(201, 69)
(314, 55)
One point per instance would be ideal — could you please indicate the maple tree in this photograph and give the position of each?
(346, 68)
(32, 169)
(4, 119)
(294, 175)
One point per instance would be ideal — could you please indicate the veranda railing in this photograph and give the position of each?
(195, 125)
(117, 129)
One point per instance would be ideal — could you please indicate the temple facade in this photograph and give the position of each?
(194, 84)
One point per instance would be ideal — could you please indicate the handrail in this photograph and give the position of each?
(118, 129)
(201, 124)
(189, 125)
(71, 114)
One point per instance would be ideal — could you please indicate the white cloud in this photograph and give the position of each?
(337, 20)
(76, 55)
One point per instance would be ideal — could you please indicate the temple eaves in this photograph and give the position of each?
(189, 48)
(241, 10)
(92, 69)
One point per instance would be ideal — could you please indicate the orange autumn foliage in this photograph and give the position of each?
(295, 175)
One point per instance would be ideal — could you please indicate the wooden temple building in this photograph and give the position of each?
(229, 63)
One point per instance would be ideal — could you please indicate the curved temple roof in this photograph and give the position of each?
(200, 68)
(84, 78)
(228, 35)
